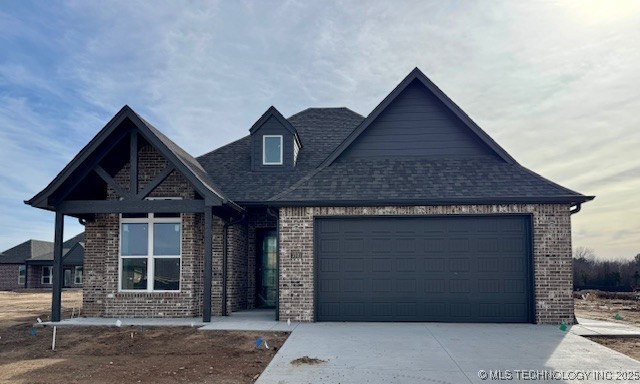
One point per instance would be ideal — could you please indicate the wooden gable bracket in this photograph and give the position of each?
(160, 177)
(104, 175)
(133, 164)
(131, 196)
(90, 167)
(132, 193)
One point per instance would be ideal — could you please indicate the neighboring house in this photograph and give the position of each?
(411, 214)
(30, 264)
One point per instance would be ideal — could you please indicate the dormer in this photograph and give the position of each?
(275, 143)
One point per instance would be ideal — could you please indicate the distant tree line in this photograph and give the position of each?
(590, 272)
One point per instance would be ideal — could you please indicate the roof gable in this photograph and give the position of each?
(321, 130)
(467, 130)
(273, 113)
(75, 255)
(122, 124)
(23, 251)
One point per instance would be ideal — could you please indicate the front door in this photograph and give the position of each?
(266, 283)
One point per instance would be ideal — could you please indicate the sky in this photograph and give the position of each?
(555, 83)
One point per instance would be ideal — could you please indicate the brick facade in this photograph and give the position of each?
(551, 254)
(237, 264)
(9, 277)
(101, 297)
(101, 279)
(34, 277)
(551, 251)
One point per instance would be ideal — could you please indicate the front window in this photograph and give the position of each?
(150, 252)
(47, 275)
(272, 150)
(22, 274)
(78, 274)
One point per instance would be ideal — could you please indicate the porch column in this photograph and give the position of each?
(208, 264)
(57, 268)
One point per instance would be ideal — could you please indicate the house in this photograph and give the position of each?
(30, 264)
(412, 213)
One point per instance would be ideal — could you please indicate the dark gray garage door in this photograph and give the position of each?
(450, 269)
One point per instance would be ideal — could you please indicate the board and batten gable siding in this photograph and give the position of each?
(416, 123)
(272, 127)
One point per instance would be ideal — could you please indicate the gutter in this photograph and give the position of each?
(573, 200)
(576, 209)
(225, 228)
(277, 217)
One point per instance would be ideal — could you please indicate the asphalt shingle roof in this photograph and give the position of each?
(410, 179)
(75, 255)
(186, 159)
(67, 246)
(320, 131)
(36, 250)
(26, 250)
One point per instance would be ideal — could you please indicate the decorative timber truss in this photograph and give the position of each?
(80, 189)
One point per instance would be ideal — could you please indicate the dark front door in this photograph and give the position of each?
(450, 269)
(267, 269)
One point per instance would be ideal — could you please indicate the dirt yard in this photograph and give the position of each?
(121, 355)
(627, 311)
(606, 309)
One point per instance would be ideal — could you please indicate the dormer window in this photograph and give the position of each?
(272, 150)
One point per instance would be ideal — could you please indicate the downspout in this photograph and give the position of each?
(226, 226)
(577, 209)
(572, 211)
(277, 217)
(26, 274)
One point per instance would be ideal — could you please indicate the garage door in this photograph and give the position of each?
(449, 269)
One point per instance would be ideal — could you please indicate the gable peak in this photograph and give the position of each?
(273, 111)
(416, 75)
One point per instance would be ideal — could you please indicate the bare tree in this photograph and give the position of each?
(605, 274)
(585, 253)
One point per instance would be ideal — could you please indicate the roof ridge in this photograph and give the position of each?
(324, 108)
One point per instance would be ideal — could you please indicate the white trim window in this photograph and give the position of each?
(272, 150)
(47, 275)
(22, 274)
(77, 274)
(150, 252)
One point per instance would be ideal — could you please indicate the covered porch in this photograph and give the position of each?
(153, 219)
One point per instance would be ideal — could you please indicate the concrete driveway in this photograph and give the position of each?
(443, 353)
